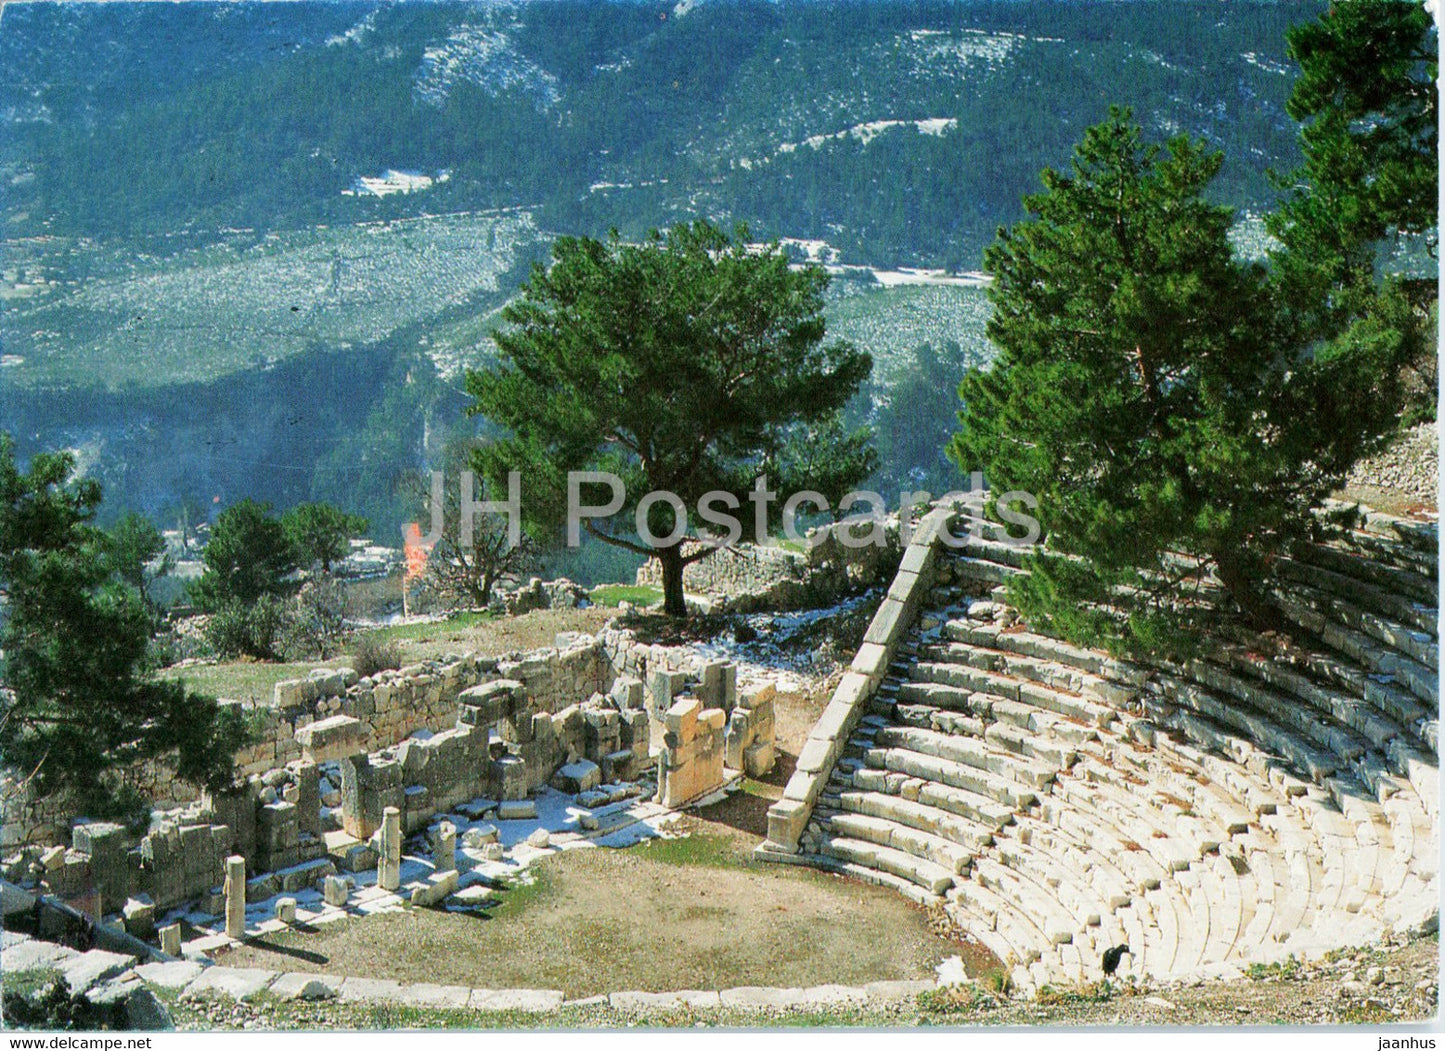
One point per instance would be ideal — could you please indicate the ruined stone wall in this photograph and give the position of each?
(390, 706)
(746, 567)
(586, 715)
(748, 578)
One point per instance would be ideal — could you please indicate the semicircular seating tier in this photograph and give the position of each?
(1266, 801)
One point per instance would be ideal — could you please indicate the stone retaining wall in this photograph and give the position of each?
(789, 816)
(747, 577)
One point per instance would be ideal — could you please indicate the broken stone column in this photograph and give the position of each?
(367, 788)
(335, 890)
(444, 846)
(171, 939)
(286, 910)
(235, 890)
(388, 866)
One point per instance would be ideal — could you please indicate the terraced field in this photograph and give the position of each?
(891, 322)
(116, 318)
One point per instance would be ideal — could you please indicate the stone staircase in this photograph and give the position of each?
(1230, 811)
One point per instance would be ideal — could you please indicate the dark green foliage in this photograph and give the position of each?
(663, 106)
(679, 365)
(58, 1009)
(375, 653)
(320, 532)
(239, 629)
(915, 420)
(75, 638)
(1367, 99)
(138, 551)
(1152, 400)
(248, 555)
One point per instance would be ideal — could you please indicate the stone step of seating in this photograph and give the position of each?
(953, 774)
(1138, 826)
(1257, 700)
(1089, 859)
(1057, 755)
(1360, 596)
(868, 874)
(983, 810)
(1221, 810)
(1043, 671)
(924, 845)
(1303, 754)
(1364, 718)
(983, 571)
(933, 878)
(1416, 836)
(1135, 867)
(1380, 691)
(1058, 873)
(971, 751)
(1197, 922)
(1381, 873)
(1380, 550)
(926, 717)
(1028, 896)
(1169, 814)
(1169, 920)
(1417, 643)
(1374, 657)
(1417, 583)
(1027, 644)
(991, 695)
(973, 906)
(969, 835)
(1417, 535)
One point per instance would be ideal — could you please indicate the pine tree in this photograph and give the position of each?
(1150, 397)
(682, 364)
(79, 710)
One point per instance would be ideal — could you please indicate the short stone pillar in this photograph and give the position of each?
(235, 889)
(171, 939)
(286, 910)
(388, 866)
(444, 846)
(335, 890)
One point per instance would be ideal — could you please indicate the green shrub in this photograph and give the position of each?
(237, 630)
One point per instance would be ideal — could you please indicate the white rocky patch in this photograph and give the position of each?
(487, 58)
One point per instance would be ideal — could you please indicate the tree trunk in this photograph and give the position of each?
(1261, 613)
(673, 602)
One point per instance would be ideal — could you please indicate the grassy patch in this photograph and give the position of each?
(244, 680)
(1090, 993)
(698, 849)
(613, 595)
(1283, 970)
(428, 630)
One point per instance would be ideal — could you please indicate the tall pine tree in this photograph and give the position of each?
(1150, 396)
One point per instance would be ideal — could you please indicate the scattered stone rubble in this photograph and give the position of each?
(1409, 467)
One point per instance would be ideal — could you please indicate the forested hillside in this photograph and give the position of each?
(902, 132)
(212, 286)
